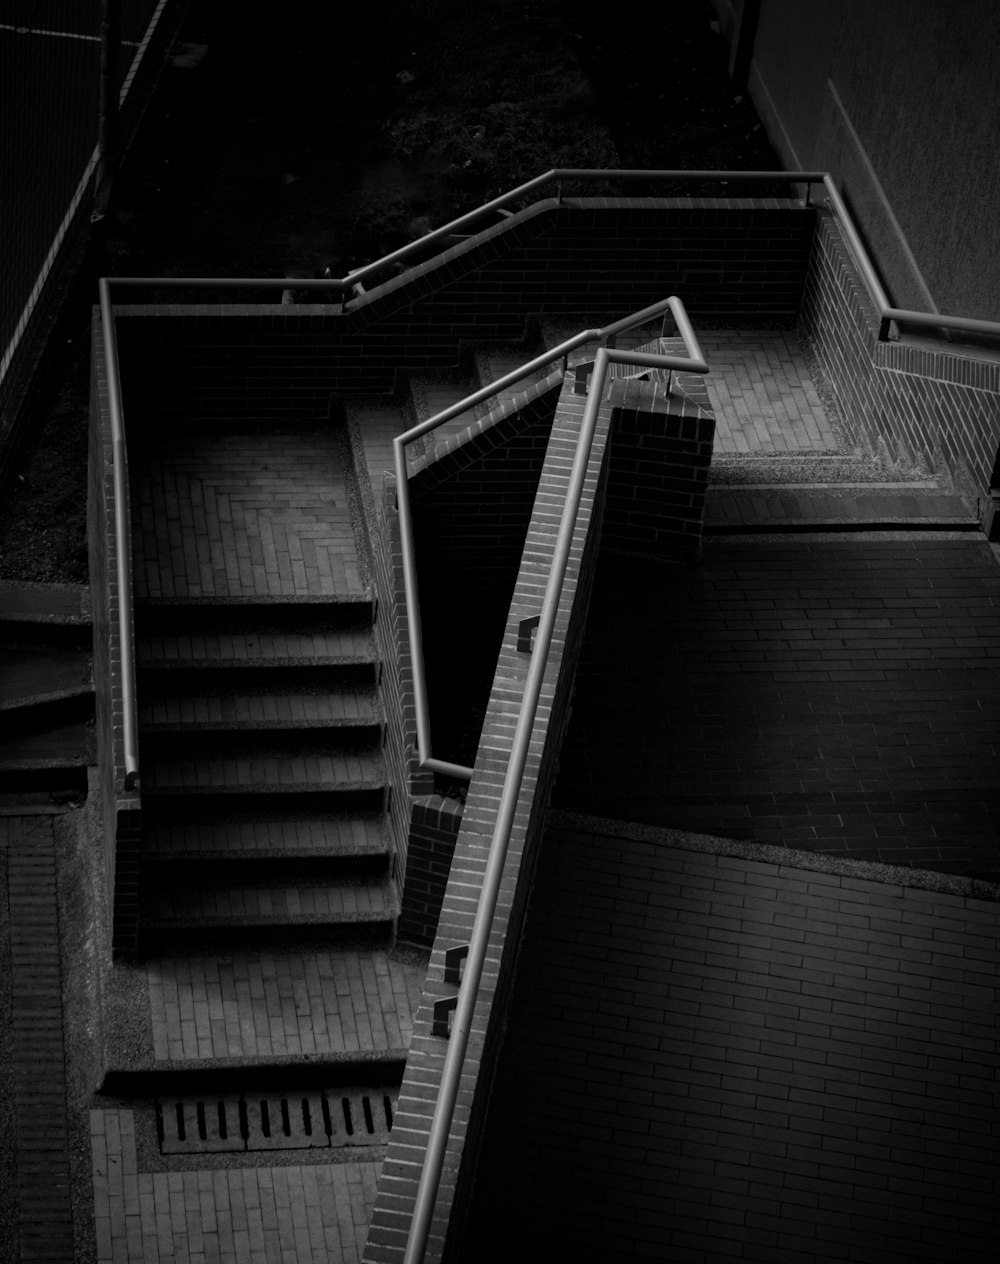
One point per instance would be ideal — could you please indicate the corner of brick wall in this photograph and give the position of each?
(661, 450)
(397, 1186)
(434, 825)
(908, 404)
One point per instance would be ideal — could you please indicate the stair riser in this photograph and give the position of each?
(255, 870)
(211, 618)
(164, 680)
(168, 937)
(213, 801)
(207, 741)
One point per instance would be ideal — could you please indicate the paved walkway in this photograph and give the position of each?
(308, 1214)
(835, 693)
(715, 1053)
(242, 514)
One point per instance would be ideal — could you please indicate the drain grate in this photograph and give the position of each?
(296, 1120)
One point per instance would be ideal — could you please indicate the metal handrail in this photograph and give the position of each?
(561, 352)
(347, 286)
(130, 724)
(458, 1041)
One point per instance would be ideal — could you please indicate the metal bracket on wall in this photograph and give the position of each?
(442, 1009)
(525, 629)
(453, 959)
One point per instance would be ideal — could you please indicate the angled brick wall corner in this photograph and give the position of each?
(661, 449)
(400, 1173)
(435, 822)
(909, 402)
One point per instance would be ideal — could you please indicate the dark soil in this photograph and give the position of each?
(282, 151)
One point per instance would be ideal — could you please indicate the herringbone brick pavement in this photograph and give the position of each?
(763, 396)
(242, 514)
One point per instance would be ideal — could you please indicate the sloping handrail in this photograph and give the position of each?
(606, 336)
(458, 1041)
(130, 724)
(347, 286)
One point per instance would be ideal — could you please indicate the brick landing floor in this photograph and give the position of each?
(242, 514)
(833, 693)
(764, 400)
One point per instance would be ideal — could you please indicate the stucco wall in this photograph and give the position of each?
(899, 100)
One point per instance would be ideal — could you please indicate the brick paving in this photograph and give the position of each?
(714, 1055)
(304, 1214)
(271, 1005)
(833, 693)
(242, 514)
(42, 1197)
(764, 399)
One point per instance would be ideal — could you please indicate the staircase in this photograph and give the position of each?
(260, 734)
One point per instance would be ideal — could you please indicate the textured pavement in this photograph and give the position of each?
(242, 514)
(716, 1053)
(834, 693)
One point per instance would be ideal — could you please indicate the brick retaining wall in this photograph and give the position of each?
(909, 402)
(729, 258)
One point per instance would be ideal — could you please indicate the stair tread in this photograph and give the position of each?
(267, 771)
(833, 503)
(290, 835)
(337, 646)
(322, 1001)
(220, 902)
(217, 706)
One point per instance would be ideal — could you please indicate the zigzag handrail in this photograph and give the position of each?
(475, 960)
(352, 284)
(606, 337)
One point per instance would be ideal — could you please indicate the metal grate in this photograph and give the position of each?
(301, 1119)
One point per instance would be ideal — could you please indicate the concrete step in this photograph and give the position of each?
(269, 770)
(290, 837)
(216, 907)
(834, 506)
(267, 1012)
(351, 710)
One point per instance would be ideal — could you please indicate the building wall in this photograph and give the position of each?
(899, 101)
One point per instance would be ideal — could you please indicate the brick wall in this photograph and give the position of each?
(435, 822)
(390, 1219)
(661, 448)
(909, 402)
(729, 258)
(121, 810)
(717, 1052)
